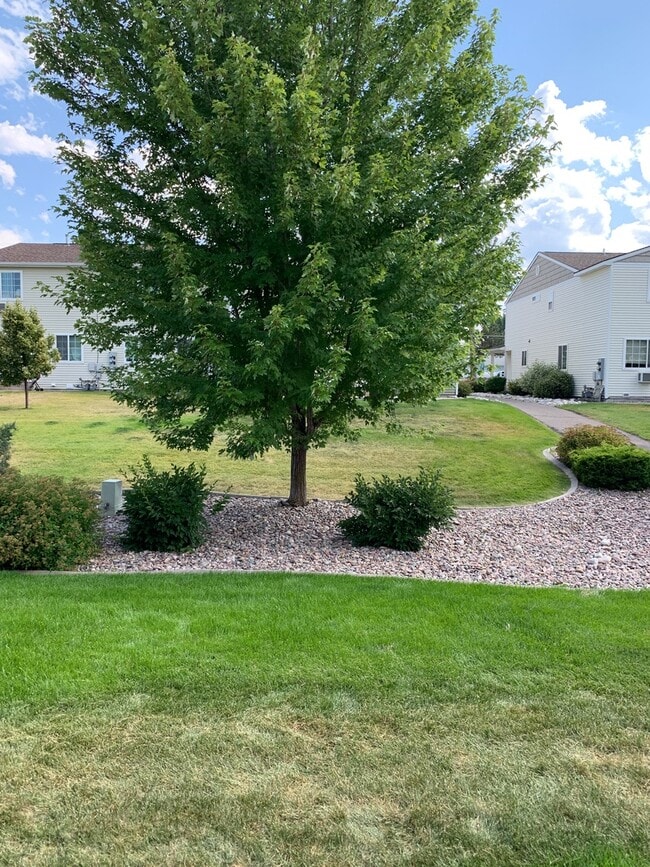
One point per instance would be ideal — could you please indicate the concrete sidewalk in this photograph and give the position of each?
(558, 418)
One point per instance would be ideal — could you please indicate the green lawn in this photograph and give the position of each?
(317, 720)
(489, 452)
(631, 417)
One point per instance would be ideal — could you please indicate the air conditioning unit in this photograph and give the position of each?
(644, 377)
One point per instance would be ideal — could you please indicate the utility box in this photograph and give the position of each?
(112, 500)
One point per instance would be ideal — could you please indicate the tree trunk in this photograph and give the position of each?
(26, 394)
(298, 490)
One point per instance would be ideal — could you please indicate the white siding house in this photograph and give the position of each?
(585, 312)
(22, 268)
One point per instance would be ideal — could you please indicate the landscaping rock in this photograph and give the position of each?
(560, 542)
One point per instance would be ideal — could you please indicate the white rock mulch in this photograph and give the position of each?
(591, 539)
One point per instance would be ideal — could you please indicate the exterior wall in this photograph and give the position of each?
(550, 273)
(630, 320)
(67, 374)
(578, 319)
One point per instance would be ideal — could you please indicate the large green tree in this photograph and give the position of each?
(291, 207)
(26, 351)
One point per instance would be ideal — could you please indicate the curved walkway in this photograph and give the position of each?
(557, 416)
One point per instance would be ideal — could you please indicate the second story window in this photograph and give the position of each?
(10, 285)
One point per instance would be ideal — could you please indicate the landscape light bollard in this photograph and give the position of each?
(112, 496)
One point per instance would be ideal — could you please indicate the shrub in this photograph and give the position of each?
(464, 388)
(165, 509)
(494, 385)
(584, 436)
(478, 385)
(621, 468)
(547, 380)
(398, 513)
(516, 388)
(46, 523)
(6, 433)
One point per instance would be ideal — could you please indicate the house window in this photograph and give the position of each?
(10, 287)
(561, 356)
(637, 353)
(524, 358)
(69, 346)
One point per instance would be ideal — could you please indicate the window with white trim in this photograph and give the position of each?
(561, 356)
(69, 346)
(524, 358)
(10, 285)
(637, 353)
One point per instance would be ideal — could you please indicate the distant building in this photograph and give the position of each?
(22, 267)
(589, 313)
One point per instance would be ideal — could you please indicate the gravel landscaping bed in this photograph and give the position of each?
(590, 539)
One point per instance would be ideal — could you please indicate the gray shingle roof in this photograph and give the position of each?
(580, 261)
(28, 254)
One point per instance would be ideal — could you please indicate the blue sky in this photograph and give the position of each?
(586, 60)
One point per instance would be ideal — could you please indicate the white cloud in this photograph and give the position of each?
(23, 8)
(9, 236)
(14, 57)
(16, 139)
(596, 195)
(12, 210)
(576, 142)
(7, 174)
(44, 216)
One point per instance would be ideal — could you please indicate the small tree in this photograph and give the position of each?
(26, 351)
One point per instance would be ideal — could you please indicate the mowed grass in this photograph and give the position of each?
(319, 720)
(489, 453)
(631, 417)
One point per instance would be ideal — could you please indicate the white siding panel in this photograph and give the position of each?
(630, 321)
(578, 320)
(56, 320)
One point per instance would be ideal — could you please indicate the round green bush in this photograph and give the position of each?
(495, 385)
(46, 523)
(547, 381)
(464, 388)
(515, 388)
(584, 436)
(165, 508)
(620, 468)
(398, 513)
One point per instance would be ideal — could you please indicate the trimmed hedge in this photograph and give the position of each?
(46, 523)
(585, 436)
(546, 381)
(621, 468)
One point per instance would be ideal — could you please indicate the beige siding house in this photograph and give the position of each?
(589, 313)
(22, 268)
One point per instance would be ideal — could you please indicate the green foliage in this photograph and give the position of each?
(310, 237)
(494, 385)
(398, 513)
(464, 388)
(621, 468)
(6, 433)
(46, 523)
(584, 436)
(516, 388)
(547, 381)
(165, 509)
(26, 351)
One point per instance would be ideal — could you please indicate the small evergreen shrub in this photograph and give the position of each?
(398, 513)
(547, 381)
(515, 387)
(584, 436)
(165, 508)
(6, 433)
(46, 523)
(478, 385)
(464, 388)
(494, 385)
(620, 468)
